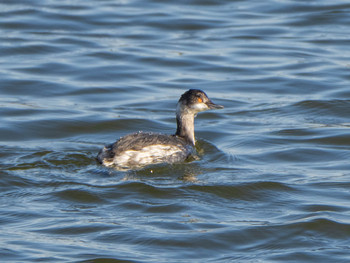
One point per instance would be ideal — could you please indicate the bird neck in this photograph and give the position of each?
(185, 126)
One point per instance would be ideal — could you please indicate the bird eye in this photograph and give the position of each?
(199, 100)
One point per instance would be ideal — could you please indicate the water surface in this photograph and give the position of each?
(272, 182)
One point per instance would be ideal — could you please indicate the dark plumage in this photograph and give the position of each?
(136, 142)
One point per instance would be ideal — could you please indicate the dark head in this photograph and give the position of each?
(194, 101)
(190, 103)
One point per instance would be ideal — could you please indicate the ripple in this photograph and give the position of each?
(334, 108)
(249, 191)
(78, 195)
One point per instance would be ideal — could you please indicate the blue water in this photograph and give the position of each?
(272, 182)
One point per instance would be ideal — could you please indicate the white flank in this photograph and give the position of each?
(147, 155)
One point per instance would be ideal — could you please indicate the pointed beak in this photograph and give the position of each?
(213, 106)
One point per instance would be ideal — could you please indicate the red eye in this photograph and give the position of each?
(199, 100)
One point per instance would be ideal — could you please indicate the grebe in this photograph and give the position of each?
(137, 150)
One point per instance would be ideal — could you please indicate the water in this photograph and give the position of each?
(272, 183)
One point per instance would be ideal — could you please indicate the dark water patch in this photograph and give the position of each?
(109, 73)
(13, 217)
(37, 89)
(308, 155)
(323, 208)
(10, 181)
(79, 195)
(22, 164)
(321, 16)
(324, 228)
(340, 139)
(106, 260)
(249, 191)
(89, 228)
(74, 43)
(148, 190)
(113, 56)
(54, 69)
(31, 49)
(51, 128)
(53, 21)
(335, 108)
(186, 24)
(23, 111)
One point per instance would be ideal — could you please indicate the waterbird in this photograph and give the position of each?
(140, 149)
